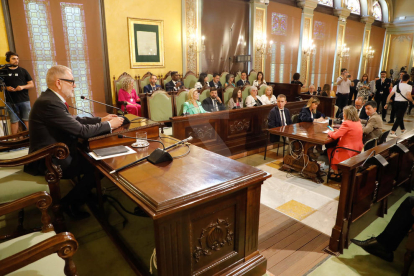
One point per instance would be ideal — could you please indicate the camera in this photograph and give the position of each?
(3, 70)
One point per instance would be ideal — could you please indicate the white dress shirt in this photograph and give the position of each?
(265, 100)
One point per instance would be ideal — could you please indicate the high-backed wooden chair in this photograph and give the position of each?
(190, 80)
(210, 78)
(14, 141)
(180, 99)
(262, 90)
(227, 94)
(38, 253)
(245, 92)
(223, 77)
(145, 80)
(237, 77)
(383, 137)
(204, 94)
(117, 86)
(252, 76)
(17, 184)
(160, 107)
(166, 79)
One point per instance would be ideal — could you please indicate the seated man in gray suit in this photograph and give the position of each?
(373, 126)
(51, 122)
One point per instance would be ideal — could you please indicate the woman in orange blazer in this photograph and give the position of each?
(349, 135)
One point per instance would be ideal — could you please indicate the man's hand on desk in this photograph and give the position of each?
(116, 122)
(108, 117)
(319, 119)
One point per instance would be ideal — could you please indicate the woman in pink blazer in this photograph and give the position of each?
(349, 135)
(127, 94)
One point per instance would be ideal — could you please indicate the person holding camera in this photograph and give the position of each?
(343, 89)
(17, 82)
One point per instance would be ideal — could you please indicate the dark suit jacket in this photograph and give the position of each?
(211, 83)
(208, 105)
(148, 88)
(50, 122)
(240, 83)
(274, 120)
(170, 86)
(363, 115)
(305, 115)
(308, 93)
(384, 87)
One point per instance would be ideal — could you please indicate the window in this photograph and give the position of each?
(354, 6)
(377, 11)
(77, 51)
(42, 46)
(328, 3)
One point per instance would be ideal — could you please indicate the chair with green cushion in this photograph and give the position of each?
(237, 77)
(203, 95)
(15, 183)
(117, 86)
(252, 76)
(210, 77)
(227, 94)
(145, 80)
(223, 78)
(37, 253)
(166, 79)
(190, 80)
(245, 92)
(261, 90)
(160, 106)
(180, 99)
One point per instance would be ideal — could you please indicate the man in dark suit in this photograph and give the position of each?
(152, 86)
(51, 122)
(213, 103)
(278, 116)
(312, 91)
(360, 106)
(383, 90)
(243, 80)
(353, 92)
(175, 84)
(216, 81)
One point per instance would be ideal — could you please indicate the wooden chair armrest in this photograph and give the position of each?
(8, 137)
(58, 150)
(64, 244)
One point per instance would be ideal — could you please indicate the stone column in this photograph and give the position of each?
(305, 36)
(368, 20)
(258, 25)
(342, 14)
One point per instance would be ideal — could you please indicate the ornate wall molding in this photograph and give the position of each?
(191, 24)
(239, 126)
(259, 31)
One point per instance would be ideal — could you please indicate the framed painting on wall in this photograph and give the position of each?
(146, 42)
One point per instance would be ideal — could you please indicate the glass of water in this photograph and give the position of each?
(140, 142)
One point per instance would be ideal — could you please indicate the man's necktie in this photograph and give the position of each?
(67, 106)
(282, 113)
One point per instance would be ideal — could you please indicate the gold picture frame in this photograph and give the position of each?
(146, 42)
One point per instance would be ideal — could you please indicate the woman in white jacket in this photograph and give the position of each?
(253, 99)
(268, 97)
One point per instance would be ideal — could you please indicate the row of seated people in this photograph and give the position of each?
(214, 103)
(351, 134)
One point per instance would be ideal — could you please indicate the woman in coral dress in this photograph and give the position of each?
(129, 97)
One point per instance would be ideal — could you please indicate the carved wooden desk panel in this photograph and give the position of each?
(309, 135)
(205, 210)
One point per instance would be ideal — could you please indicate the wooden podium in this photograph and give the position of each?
(204, 208)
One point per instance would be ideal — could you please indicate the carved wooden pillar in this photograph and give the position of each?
(258, 25)
(342, 14)
(305, 36)
(368, 20)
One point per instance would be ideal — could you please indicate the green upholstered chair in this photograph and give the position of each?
(160, 106)
(223, 78)
(262, 90)
(252, 76)
(237, 77)
(245, 92)
(180, 99)
(227, 95)
(204, 94)
(210, 78)
(37, 253)
(117, 86)
(145, 80)
(166, 79)
(190, 80)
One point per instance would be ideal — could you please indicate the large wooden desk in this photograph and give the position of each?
(204, 208)
(228, 132)
(308, 135)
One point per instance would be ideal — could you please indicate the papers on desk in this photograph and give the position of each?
(324, 121)
(326, 131)
(96, 157)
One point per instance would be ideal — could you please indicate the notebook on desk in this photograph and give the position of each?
(110, 151)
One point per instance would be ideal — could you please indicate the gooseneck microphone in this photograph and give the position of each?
(81, 110)
(126, 120)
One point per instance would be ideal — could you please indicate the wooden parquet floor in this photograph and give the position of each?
(290, 247)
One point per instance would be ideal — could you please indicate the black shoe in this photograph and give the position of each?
(373, 247)
(391, 122)
(74, 212)
(384, 120)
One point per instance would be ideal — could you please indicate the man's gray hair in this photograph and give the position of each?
(362, 98)
(54, 72)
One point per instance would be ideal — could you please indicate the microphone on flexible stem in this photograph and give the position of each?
(81, 110)
(158, 155)
(126, 120)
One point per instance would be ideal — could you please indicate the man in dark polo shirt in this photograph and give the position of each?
(17, 81)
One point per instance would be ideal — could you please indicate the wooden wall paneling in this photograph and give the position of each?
(365, 185)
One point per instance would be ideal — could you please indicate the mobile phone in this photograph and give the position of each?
(330, 128)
